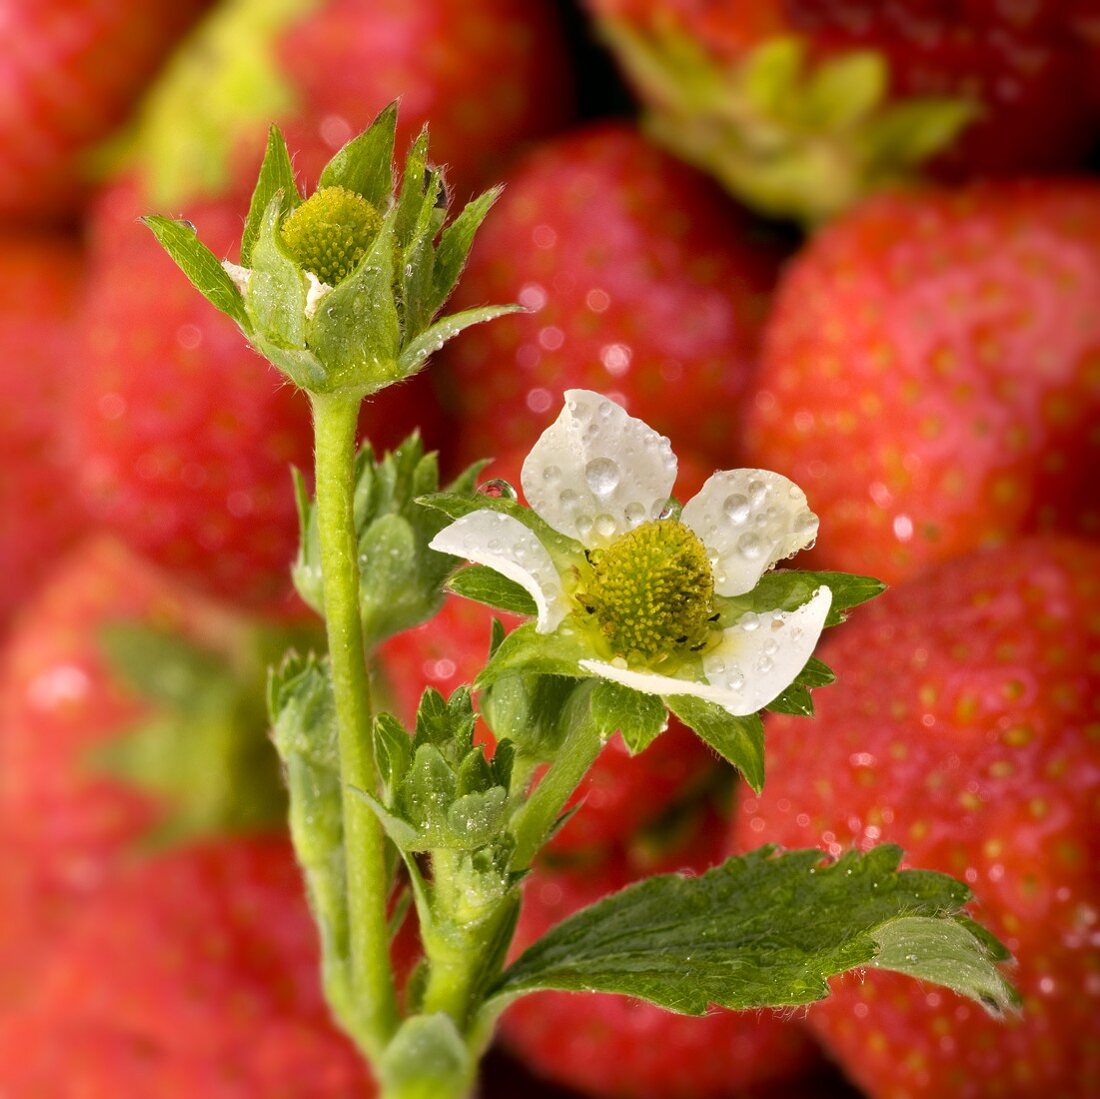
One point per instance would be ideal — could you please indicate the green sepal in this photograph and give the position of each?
(365, 164)
(791, 135)
(422, 347)
(767, 929)
(789, 589)
(796, 699)
(640, 718)
(565, 550)
(276, 178)
(485, 585)
(525, 651)
(202, 751)
(738, 740)
(421, 186)
(202, 268)
(392, 753)
(455, 243)
(356, 330)
(276, 294)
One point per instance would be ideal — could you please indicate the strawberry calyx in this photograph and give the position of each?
(222, 87)
(787, 134)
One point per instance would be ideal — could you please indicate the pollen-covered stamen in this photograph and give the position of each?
(651, 590)
(331, 232)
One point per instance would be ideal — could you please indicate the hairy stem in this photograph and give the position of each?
(533, 821)
(371, 975)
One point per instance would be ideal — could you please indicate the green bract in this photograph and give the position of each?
(340, 291)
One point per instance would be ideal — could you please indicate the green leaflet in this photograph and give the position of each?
(767, 929)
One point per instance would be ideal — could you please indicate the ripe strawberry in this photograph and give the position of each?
(619, 796)
(70, 74)
(40, 276)
(195, 974)
(641, 281)
(89, 766)
(963, 727)
(931, 374)
(974, 89)
(614, 1047)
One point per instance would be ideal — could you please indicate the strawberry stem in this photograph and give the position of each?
(374, 1000)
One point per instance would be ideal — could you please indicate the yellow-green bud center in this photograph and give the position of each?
(651, 590)
(331, 232)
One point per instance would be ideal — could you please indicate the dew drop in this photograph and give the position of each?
(584, 524)
(567, 498)
(758, 492)
(765, 665)
(497, 489)
(736, 508)
(606, 525)
(551, 473)
(189, 225)
(749, 546)
(602, 475)
(749, 621)
(635, 513)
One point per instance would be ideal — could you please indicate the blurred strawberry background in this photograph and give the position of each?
(855, 241)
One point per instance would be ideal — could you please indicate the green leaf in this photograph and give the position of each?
(765, 929)
(455, 243)
(641, 718)
(485, 585)
(739, 740)
(200, 265)
(365, 163)
(534, 713)
(276, 178)
(417, 351)
(393, 753)
(844, 90)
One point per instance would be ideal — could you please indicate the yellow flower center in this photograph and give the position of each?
(651, 591)
(331, 232)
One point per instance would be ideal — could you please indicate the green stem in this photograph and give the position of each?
(335, 420)
(533, 821)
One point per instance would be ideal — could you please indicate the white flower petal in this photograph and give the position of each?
(504, 544)
(749, 519)
(317, 290)
(596, 472)
(760, 655)
(744, 672)
(241, 276)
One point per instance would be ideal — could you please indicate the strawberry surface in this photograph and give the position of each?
(615, 1047)
(963, 726)
(931, 373)
(641, 281)
(68, 816)
(195, 974)
(70, 74)
(42, 516)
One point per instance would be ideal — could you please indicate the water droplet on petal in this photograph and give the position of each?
(736, 508)
(602, 475)
(497, 489)
(568, 498)
(635, 513)
(551, 473)
(749, 546)
(606, 526)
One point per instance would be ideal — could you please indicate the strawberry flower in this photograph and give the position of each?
(641, 595)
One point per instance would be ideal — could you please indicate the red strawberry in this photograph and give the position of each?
(963, 727)
(68, 815)
(619, 796)
(980, 88)
(641, 281)
(40, 276)
(614, 1047)
(70, 74)
(197, 974)
(931, 374)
